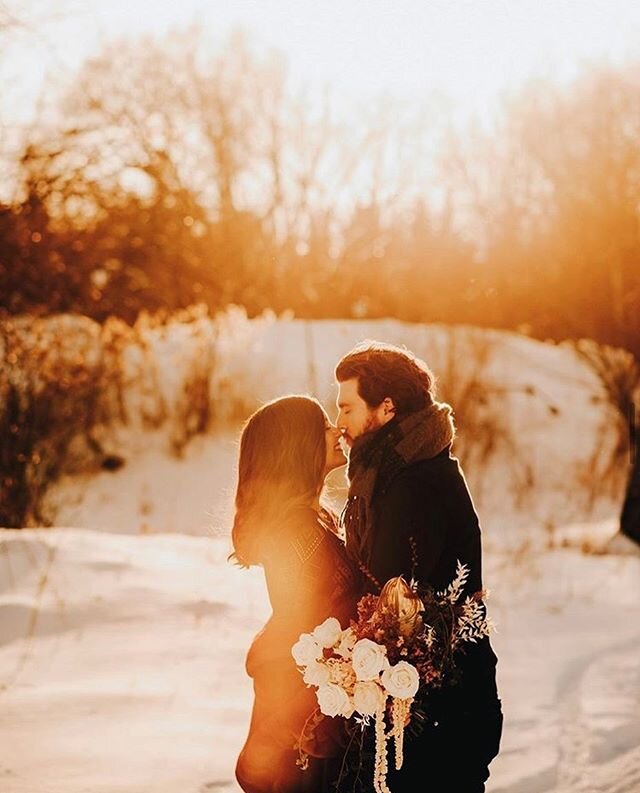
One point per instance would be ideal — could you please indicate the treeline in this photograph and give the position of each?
(170, 177)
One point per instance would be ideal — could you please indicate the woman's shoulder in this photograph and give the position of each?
(308, 539)
(316, 532)
(299, 536)
(305, 536)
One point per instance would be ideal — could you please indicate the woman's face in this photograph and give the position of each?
(335, 455)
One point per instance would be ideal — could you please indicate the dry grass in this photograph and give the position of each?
(54, 389)
(481, 406)
(618, 373)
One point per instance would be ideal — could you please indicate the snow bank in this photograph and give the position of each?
(534, 430)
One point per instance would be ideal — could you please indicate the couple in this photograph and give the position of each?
(408, 502)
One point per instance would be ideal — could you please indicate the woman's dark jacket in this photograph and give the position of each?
(309, 578)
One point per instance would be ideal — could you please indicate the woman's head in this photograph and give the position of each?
(286, 449)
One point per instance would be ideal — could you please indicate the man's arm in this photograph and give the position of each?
(406, 510)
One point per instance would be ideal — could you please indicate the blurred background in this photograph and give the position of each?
(463, 164)
(441, 162)
(203, 205)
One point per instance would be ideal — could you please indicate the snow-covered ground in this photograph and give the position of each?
(121, 663)
(123, 630)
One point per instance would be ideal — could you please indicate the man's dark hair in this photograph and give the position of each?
(384, 370)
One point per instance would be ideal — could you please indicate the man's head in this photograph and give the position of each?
(378, 382)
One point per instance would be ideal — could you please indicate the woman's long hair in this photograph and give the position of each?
(281, 467)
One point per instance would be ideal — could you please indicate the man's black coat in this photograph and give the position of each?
(429, 500)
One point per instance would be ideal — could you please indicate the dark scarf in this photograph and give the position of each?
(378, 456)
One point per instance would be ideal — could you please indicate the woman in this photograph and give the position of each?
(287, 448)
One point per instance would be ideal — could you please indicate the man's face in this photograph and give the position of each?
(355, 417)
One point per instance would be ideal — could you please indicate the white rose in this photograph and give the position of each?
(368, 659)
(348, 709)
(328, 633)
(401, 680)
(368, 697)
(332, 699)
(346, 642)
(316, 674)
(306, 650)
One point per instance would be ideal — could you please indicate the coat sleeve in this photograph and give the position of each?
(406, 510)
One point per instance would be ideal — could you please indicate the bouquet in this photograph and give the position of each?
(404, 642)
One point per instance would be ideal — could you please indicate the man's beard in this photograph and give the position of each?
(373, 424)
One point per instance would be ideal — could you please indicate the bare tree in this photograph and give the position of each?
(551, 191)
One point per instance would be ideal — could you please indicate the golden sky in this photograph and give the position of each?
(468, 50)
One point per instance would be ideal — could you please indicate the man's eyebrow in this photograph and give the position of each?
(342, 404)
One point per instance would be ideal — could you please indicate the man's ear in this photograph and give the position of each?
(388, 408)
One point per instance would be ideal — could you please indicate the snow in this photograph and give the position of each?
(156, 492)
(123, 629)
(121, 660)
(536, 423)
(131, 677)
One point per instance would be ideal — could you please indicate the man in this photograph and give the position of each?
(408, 498)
